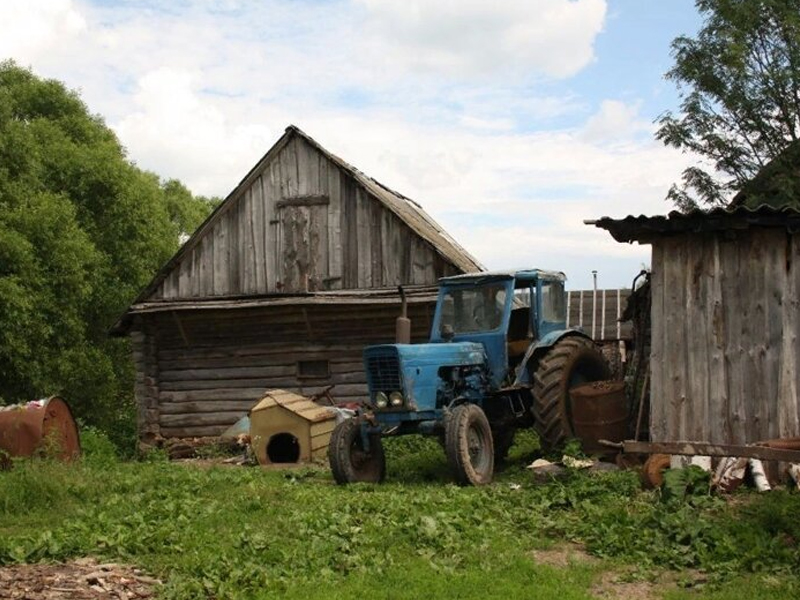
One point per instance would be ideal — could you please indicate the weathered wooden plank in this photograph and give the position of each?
(718, 401)
(318, 248)
(334, 185)
(789, 367)
(287, 382)
(364, 204)
(737, 314)
(658, 374)
(289, 171)
(349, 226)
(188, 432)
(230, 394)
(234, 258)
(186, 408)
(338, 364)
(257, 227)
(271, 195)
(220, 259)
(228, 373)
(227, 417)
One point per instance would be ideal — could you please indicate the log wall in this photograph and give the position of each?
(209, 367)
(303, 224)
(724, 358)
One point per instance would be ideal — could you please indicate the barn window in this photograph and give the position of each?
(311, 369)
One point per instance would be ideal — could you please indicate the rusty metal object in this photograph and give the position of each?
(599, 412)
(43, 427)
(653, 470)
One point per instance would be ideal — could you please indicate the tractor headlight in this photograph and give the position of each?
(396, 399)
(381, 400)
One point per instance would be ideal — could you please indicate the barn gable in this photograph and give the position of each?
(304, 220)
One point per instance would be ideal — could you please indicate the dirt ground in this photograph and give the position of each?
(81, 579)
(611, 585)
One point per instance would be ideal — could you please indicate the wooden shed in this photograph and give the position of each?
(725, 318)
(289, 428)
(282, 287)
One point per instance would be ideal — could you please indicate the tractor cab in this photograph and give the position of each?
(505, 312)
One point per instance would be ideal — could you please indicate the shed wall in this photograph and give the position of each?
(208, 367)
(303, 224)
(725, 326)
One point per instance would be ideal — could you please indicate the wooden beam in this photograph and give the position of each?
(705, 449)
(309, 200)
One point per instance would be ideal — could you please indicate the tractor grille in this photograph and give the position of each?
(383, 370)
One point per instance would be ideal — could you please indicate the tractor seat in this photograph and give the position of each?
(519, 336)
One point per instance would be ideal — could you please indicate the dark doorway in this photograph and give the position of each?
(283, 448)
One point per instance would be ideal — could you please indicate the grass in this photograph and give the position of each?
(251, 533)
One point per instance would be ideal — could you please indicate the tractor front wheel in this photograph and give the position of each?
(468, 445)
(349, 462)
(569, 362)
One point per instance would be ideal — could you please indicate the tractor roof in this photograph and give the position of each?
(519, 275)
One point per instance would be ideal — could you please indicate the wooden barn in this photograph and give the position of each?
(282, 287)
(725, 317)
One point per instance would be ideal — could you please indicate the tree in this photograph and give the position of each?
(739, 83)
(82, 230)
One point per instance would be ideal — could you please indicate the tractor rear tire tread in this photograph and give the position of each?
(551, 384)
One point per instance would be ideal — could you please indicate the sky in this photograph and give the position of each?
(510, 122)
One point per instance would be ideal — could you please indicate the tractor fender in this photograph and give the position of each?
(541, 346)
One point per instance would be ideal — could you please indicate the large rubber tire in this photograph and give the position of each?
(569, 362)
(349, 463)
(468, 445)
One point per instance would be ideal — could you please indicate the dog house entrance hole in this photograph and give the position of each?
(283, 448)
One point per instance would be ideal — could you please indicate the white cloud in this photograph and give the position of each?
(178, 133)
(553, 37)
(614, 121)
(29, 28)
(200, 92)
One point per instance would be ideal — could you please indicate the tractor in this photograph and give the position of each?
(500, 358)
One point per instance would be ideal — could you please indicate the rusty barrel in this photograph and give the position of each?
(599, 412)
(42, 426)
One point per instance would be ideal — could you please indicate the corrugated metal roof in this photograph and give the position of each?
(644, 229)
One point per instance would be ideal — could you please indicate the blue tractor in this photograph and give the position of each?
(500, 357)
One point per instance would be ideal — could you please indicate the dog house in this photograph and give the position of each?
(289, 428)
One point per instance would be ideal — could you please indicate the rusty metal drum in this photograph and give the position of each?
(599, 412)
(39, 427)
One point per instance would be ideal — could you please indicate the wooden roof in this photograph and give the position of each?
(299, 405)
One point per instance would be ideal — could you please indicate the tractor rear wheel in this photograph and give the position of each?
(468, 445)
(348, 460)
(569, 362)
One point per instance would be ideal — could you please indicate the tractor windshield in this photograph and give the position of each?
(476, 309)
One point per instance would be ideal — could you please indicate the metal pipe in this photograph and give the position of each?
(594, 305)
(403, 323)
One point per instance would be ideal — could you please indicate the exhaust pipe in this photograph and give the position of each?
(403, 323)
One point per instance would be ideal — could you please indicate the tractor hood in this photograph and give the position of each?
(413, 369)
